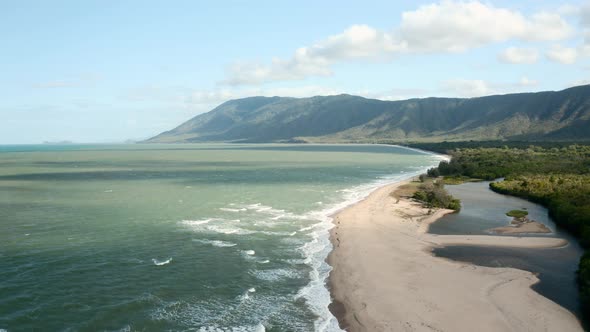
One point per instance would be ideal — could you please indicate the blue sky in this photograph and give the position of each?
(107, 71)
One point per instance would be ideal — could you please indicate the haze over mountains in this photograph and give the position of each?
(561, 115)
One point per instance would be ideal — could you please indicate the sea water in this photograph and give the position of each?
(194, 237)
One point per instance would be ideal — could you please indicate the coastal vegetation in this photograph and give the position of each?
(556, 176)
(517, 213)
(433, 194)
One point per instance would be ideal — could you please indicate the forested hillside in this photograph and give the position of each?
(562, 115)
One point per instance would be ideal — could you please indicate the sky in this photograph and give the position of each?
(110, 71)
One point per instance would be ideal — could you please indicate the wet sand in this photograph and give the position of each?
(385, 277)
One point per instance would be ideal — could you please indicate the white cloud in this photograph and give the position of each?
(526, 82)
(208, 97)
(578, 82)
(585, 47)
(297, 68)
(561, 54)
(582, 14)
(519, 55)
(457, 26)
(467, 88)
(356, 42)
(195, 101)
(396, 94)
(447, 26)
(182, 99)
(477, 88)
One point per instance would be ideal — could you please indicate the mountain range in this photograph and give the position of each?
(550, 115)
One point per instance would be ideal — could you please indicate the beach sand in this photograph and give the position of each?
(529, 227)
(385, 278)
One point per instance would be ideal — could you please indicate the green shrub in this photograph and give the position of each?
(517, 213)
(434, 195)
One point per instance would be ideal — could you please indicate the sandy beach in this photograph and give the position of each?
(385, 278)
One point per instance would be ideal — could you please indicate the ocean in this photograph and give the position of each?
(199, 237)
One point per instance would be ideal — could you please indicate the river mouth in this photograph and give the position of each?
(483, 209)
(554, 267)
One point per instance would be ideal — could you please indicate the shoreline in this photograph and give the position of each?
(384, 276)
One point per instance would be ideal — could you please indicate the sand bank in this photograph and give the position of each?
(528, 227)
(385, 278)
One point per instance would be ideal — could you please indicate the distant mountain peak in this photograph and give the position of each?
(556, 115)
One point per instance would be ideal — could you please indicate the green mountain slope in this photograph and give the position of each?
(561, 115)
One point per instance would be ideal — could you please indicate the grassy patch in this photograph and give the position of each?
(406, 190)
(459, 179)
(517, 213)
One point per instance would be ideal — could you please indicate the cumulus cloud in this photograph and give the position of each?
(526, 82)
(577, 83)
(208, 97)
(356, 42)
(457, 26)
(585, 48)
(397, 93)
(519, 55)
(467, 88)
(561, 54)
(194, 101)
(185, 98)
(476, 88)
(448, 26)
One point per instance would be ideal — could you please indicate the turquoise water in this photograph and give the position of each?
(178, 237)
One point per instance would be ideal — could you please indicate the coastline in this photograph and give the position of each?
(384, 276)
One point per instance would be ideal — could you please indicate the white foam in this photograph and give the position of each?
(269, 210)
(277, 233)
(126, 328)
(160, 263)
(266, 261)
(228, 229)
(256, 328)
(252, 290)
(249, 252)
(216, 243)
(244, 296)
(316, 294)
(196, 222)
(295, 261)
(304, 229)
(232, 209)
(276, 274)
